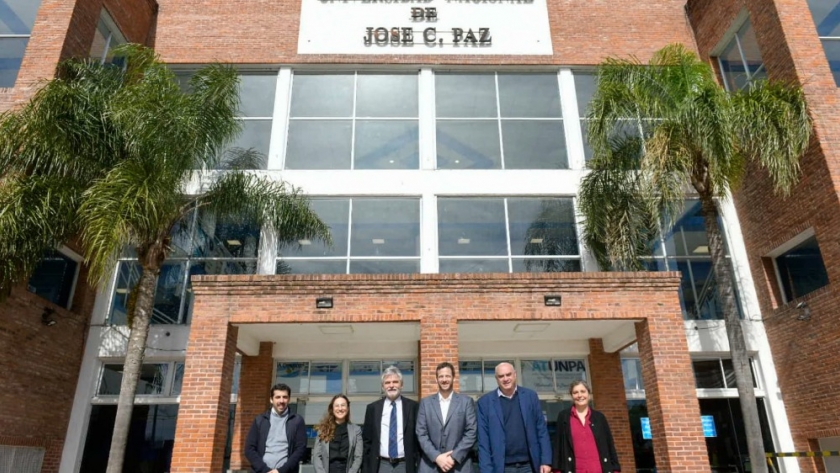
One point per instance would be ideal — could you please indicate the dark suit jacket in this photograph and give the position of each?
(371, 430)
(491, 431)
(564, 453)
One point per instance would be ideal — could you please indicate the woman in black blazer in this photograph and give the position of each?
(338, 448)
(584, 441)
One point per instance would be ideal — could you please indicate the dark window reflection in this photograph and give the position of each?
(53, 278)
(802, 269)
(151, 437)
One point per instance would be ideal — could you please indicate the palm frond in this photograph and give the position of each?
(250, 197)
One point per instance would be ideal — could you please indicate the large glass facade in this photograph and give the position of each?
(500, 235)
(370, 236)
(826, 14)
(201, 244)
(16, 20)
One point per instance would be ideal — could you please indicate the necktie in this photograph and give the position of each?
(393, 450)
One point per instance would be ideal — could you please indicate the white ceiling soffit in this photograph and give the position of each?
(616, 334)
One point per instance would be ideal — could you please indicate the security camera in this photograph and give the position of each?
(802, 305)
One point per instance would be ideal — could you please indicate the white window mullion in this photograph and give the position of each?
(426, 109)
(280, 125)
(571, 120)
(429, 250)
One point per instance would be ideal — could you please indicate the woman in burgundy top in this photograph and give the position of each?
(584, 441)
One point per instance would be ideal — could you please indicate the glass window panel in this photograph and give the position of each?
(585, 86)
(658, 264)
(568, 371)
(826, 14)
(319, 144)
(530, 265)
(325, 378)
(708, 303)
(384, 267)
(391, 95)
(688, 297)
(197, 268)
(295, 375)
(537, 375)
(729, 374)
(688, 234)
(225, 237)
(53, 278)
(407, 370)
(385, 227)
(465, 95)
(802, 269)
(732, 67)
(393, 144)
(336, 214)
(256, 136)
(322, 95)
(832, 54)
(100, 41)
(11, 56)
(311, 267)
(364, 377)
(749, 49)
(128, 276)
(632, 370)
(587, 148)
(18, 16)
(473, 265)
(534, 144)
(469, 227)
(151, 381)
(529, 96)
(490, 373)
(470, 376)
(168, 294)
(707, 374)
(468, 145)
(542, 227)
(256, 95)
(178, 382)
(151, 438)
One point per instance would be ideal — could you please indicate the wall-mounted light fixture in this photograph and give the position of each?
(47, 317)
(805, 311)
(324, 303)
(553, 301)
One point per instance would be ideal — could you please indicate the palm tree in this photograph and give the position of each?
(107, 155)
(692, 134)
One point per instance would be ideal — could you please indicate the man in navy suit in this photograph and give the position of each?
(389, 438)
(512, 433)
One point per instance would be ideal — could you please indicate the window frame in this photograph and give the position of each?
(731, 35)
(411, 391)
(784, 248)
(78, 259)
(27, 37)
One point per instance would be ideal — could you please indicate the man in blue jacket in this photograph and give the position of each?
(277, 439)
(512, 433)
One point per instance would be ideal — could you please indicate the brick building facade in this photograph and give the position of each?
(422, 175)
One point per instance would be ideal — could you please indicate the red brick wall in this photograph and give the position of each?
(266, 32)
(438, 303)
(40, 369)
(254, 383)
(610, 398)
(792, 51)
(65, 29)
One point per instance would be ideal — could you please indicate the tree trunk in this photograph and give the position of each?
(735, 333)
(133, 363)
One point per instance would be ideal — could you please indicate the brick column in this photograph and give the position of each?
(610, 398)
(201, 432)
(254, 383)
(438, 343)
(672, 405)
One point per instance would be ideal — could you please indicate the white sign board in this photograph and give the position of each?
(459, 27)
